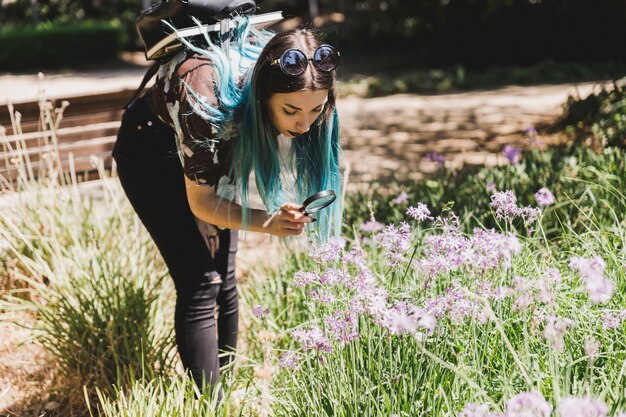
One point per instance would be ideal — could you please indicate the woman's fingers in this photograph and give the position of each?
(287, 224)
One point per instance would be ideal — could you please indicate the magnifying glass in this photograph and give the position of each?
(318, 201)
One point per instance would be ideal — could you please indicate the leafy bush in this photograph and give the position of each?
(588, 179)
(58, 45)
(598, 120)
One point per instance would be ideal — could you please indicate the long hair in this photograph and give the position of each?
(255, 147)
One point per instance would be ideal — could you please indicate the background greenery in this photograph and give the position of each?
(56, 44)
(432, 32)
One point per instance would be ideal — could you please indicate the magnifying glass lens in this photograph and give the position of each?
(319, 204)
(318, 201)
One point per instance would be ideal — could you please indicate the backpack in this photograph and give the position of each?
(153, 31)
(161, 44)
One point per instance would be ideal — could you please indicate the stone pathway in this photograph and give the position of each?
(385, 138)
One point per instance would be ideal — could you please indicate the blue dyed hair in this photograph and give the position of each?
(255, 148)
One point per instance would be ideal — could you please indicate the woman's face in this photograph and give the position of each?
(292, 114)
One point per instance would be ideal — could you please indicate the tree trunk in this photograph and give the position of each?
(314, 9)
(35, 6)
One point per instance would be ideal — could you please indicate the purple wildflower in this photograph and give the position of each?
(599, 288)
(592, 347)
(486, 249)
(323, 295)
(544, 197)
(533, 138)
(428, 322)
(530, 131)
(356, 256)
(613, 320)
(554, 331)
(581, 407)
(371, 226)
(401, 198)
(343, 326)
(288, 360)
(398, 320)
(528, 404)
(396, 242)
(512, 153)
(475, 410)
(313, 338)
(333, 276)
(522, 293)
(505, 204)
(553, 275)
(328, 252)
(260, 312)
(435, 157)
(460, 307)
(530, 215)
(304, 278)
(419, 213)
(490, 187)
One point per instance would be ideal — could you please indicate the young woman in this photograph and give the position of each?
(185, 151)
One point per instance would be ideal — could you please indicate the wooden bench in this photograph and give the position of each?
(87, 129)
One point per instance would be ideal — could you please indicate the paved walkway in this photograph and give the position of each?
(386, 138)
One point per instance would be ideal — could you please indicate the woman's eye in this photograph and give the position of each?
(289, 113)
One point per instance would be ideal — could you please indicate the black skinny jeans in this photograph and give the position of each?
(152, 177)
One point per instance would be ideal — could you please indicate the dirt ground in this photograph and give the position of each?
(383, 138)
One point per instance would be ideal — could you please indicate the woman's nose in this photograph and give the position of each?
(303, 125)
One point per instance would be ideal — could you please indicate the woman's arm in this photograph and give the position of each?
(211, 208)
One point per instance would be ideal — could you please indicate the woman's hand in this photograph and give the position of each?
(210, 236)
(287, 221)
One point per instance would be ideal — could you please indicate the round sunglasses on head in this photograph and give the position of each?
(294, 61)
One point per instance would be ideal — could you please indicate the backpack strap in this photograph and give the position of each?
(154, 68)
(225, 36)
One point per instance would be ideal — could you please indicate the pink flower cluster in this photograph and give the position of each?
(533, 404)
(554, 331)
(451, 250)
(313, 338)
(395, 241)
(401, 198)
(526, 292)
(404, 318)
(614, 319)
(419, 213)
(371, 226)
(599, 288)
(456, 305)
(512, 153)
(328, 252)
(505, 204)
(544, 197)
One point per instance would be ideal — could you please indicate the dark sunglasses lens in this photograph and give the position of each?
(293, 62)
(326, 58)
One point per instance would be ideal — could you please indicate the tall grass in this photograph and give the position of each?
(84, 265)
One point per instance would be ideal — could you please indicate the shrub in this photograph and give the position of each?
(58, 45)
